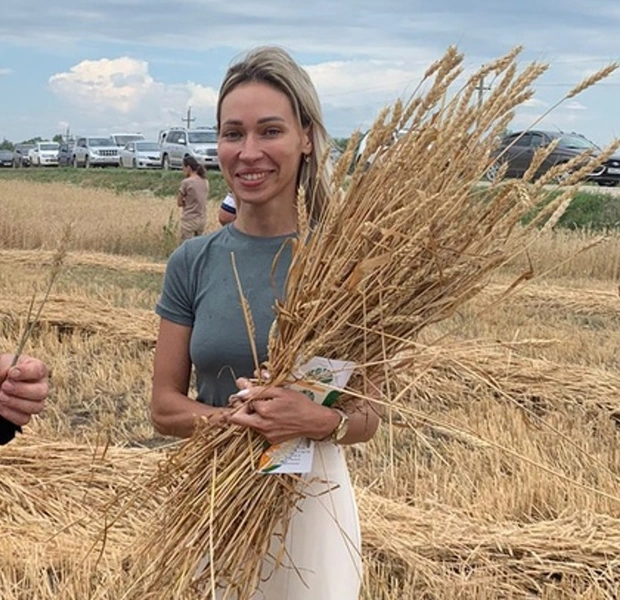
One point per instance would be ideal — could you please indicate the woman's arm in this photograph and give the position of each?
(180, 199)
(172, 411)
(280, 414)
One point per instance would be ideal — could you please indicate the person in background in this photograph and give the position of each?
(23, 390)
(228, 210)
(271, 140)
(192, 198)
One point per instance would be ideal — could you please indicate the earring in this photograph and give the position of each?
(306, 158)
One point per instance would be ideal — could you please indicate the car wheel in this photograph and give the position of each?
(492, 172)
(166, 163)
(608, 183)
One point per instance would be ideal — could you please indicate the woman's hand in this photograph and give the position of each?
(280, 414)
(23, 388)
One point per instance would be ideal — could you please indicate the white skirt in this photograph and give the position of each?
(322, 557)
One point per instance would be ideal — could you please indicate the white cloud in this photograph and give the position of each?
(118, 84)
(122, 94)
(355, 83)
(5, 71)
(535, 103)
(574, 105)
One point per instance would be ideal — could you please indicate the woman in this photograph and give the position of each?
(23, 389)
(271, 139)
(192, 198)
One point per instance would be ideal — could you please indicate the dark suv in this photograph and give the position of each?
(65, 154)
(517, 150)
(6, 158)
(21, 157)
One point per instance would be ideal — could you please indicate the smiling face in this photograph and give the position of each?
(261, 145)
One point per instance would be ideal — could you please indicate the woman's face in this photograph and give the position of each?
(260, 144)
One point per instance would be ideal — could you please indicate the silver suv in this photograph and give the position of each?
(91, 151)
(178, 142)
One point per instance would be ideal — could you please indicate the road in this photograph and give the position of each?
(599, 189)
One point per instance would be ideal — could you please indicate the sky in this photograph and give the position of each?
(105, 66)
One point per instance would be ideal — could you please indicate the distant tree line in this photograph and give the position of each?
(8, 145)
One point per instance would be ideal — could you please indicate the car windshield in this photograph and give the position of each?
(202, 137)
(50, 146)
(6, 153)
(101, 142)
(576, 142)
(123, 140)
(147, 147)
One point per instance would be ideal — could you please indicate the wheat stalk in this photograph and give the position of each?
(55, 269)
(410, 240)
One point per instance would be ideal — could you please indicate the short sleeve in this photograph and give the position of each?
(7, 431)
(229, 205)
(176, 301)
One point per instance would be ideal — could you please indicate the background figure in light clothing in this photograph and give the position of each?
(192, 198)
(228, 210)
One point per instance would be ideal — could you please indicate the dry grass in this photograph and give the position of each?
(33, 215)
(505, 487)
(441, 495)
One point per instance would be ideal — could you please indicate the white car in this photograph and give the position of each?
(364, 141)
(95, 151)
(122, 139)
(44, 154)
(177, 143)
(141, 155)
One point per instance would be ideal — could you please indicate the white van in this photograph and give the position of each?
(122, 139)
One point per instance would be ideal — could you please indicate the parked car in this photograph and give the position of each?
(517, 150)
(6, 158)
(44, 154)
(178, 142)
(91, 151)
(140, 155)
(65, 154)
(122, 139)
(361, 148)
(20, 155)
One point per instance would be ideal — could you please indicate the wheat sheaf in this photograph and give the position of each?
(405, 241)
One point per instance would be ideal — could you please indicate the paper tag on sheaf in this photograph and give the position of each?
(322, 380)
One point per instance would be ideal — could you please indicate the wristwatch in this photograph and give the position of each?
(342, 428)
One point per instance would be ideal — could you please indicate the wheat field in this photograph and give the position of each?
(504, 482)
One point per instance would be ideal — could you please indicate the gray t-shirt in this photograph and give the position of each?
(200, 291)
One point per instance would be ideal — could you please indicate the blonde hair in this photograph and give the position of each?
(275, 67)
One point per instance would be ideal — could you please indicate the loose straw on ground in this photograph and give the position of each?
(56, 493)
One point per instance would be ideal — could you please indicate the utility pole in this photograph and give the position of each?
(481, 88)
(188, 120)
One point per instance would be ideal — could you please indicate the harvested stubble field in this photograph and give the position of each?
(505, 485)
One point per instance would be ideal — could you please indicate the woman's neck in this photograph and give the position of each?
(262, 222)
